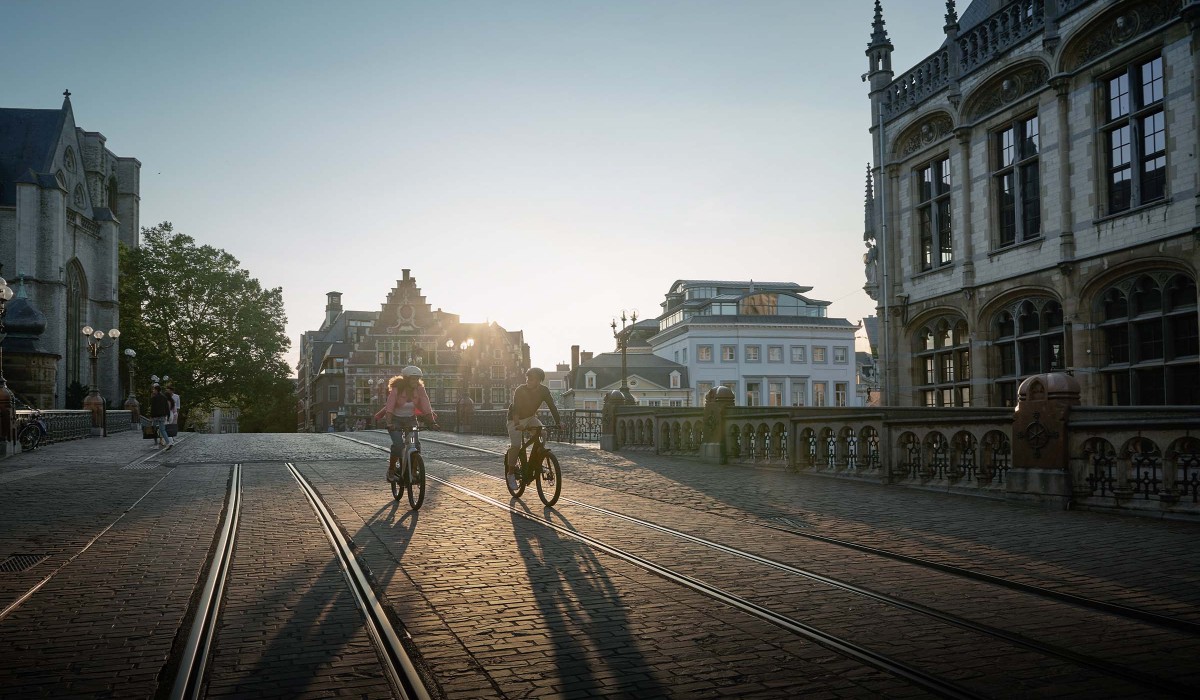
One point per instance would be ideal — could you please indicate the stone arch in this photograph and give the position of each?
(995, 457)
(779, 441)
(1007, 87)
(1118, 275)
(869, 439)
(963, 451)
(1141, 460)
(849, 441)
(1101, 460)
(1120, 25)
(665, 442)
(937, 455)
(807, 448)
(910, 454)
(925, 131)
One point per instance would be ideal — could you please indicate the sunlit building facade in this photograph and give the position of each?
(766, 341)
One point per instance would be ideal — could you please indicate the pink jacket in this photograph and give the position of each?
(394, 401)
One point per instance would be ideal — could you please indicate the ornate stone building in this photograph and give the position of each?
(1032, 206)
(66, 202)
(345, 364)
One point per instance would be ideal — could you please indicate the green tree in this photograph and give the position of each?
(191, 312)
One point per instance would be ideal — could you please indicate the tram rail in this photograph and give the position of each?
(907, 671)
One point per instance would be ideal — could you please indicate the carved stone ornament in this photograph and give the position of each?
(79, 199)
(1116, 29)
(1003, 91)
(924, 133)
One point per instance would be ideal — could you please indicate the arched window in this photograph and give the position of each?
(943, 363)
(1151, 341)
(76, 315)
(1029, 339)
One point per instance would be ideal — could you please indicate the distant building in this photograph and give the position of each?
(653, 381)
(345, 364)
(556, 382)
(1032, 204)
(766, 341)
(66, 203)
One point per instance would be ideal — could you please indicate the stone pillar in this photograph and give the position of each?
(608, 430)
(1040, 470)
(716, 403)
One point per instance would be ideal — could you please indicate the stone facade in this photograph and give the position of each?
(66, 202)
(1063, 235)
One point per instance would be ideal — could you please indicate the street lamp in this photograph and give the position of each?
(94, 402)
(464, 409)
(623, 342)
(6, 403)
(131, 402)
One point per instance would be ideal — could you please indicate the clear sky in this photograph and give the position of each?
(541, 164)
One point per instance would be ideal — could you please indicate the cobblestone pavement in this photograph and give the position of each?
(501, 605)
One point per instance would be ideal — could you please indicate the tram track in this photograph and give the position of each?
(911, 673)
(397, 665)
(1140, 615)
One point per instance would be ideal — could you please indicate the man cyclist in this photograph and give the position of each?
(522, 413)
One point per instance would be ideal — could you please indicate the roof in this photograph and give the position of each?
(978, 11)
(28, 139)
(607, 368)
(758, 285)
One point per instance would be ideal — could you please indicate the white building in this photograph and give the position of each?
(766, 341)
(653, 380)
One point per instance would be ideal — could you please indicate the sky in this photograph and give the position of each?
(541, 164)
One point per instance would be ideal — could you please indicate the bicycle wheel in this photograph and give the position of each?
(29, 437)
(397, 487)
(512, 474)
(549, 479)
(416, 481)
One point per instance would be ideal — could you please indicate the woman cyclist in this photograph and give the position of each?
(406, 402)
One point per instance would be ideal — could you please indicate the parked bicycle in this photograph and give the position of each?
(32, 431)
(535, 463)
(410, 472)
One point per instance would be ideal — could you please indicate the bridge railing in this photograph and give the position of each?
(577, 424)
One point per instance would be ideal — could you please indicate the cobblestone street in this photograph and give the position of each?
(651, 577)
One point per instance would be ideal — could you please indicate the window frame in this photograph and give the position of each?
(801, 352)
(775, 353)
(1025, 158)
(752, 353)
(1137, 111)
(700, 353)
(941, 229)
(732, 353)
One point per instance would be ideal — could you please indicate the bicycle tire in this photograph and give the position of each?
(549, 479)
(512, 475)
(29, 437)
(416, 480)
(397, 487)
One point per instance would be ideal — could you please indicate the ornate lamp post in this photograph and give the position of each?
(6, 402)
(94, 402)
(464, 410)
(131, 402)
(622, 339)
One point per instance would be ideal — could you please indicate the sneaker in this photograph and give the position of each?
(170, 445)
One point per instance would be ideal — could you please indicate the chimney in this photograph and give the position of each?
(574, 356)
(584, 357)
(562, 367)
(405, 271)
(333, 306)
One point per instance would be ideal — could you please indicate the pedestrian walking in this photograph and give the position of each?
(160, 411)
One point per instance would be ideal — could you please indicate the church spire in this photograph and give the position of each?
(870, 186)
(879, 35)
(66, 99)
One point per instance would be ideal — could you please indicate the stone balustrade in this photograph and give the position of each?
(917, 85)
(992, 37)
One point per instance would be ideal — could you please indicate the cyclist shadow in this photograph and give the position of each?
(589, 629)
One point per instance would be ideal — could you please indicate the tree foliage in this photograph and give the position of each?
(191, 312)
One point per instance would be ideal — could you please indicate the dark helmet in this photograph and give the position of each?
(536, 372)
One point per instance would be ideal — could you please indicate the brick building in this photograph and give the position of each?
(345, 364)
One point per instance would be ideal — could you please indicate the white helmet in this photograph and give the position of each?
(411, 371)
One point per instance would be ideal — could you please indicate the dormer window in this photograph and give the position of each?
(674, 380)
(589, 380)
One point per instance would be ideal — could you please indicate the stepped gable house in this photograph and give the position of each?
(1032, 204)
(346, 363)
(66, 201)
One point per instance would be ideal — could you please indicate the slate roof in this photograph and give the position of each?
(607, 368)
(28, 139)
